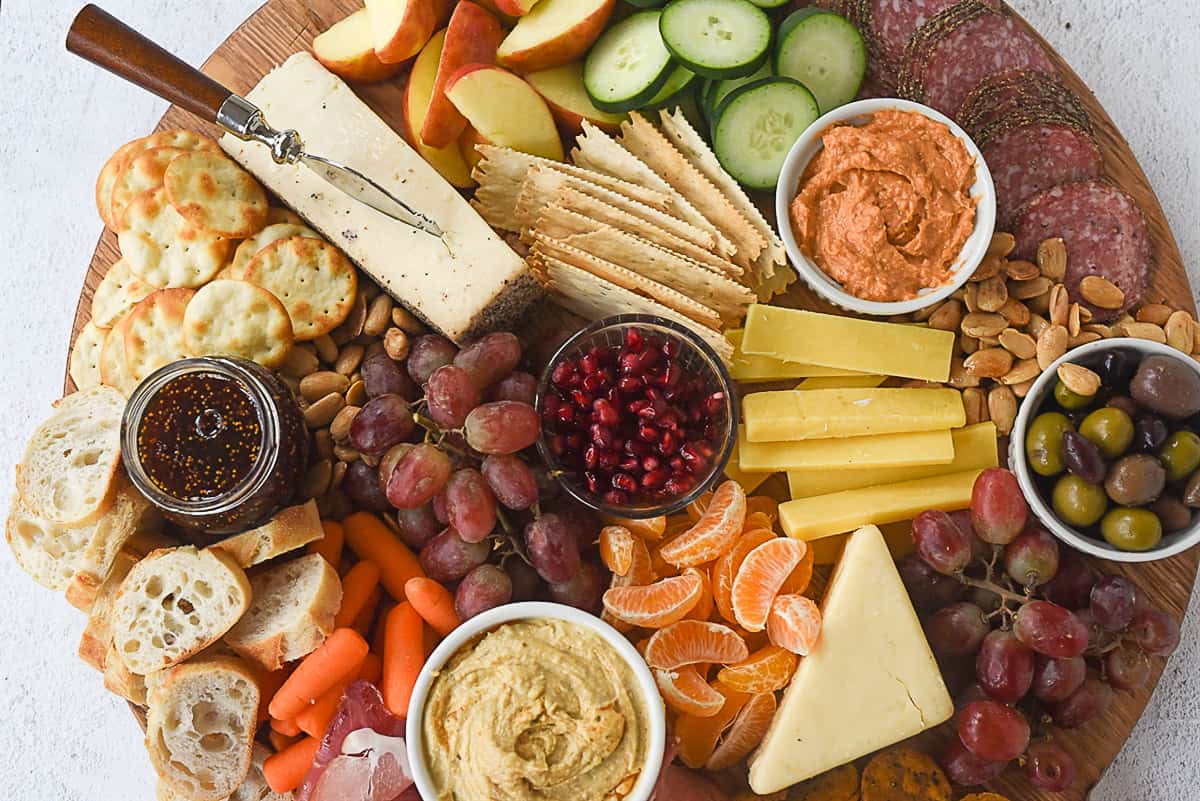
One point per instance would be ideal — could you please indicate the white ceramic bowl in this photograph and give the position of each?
(1088, 355)
(809, 144)
(493, 618)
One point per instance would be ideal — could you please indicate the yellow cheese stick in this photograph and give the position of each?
(974, 448)
(842, 382)
(813, 518)
(792, 414)
(884, 450)
(762, 368)
(749, 481)
(848, 343)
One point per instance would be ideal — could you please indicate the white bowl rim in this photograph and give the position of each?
(973, 251)
(527, 610)
(1171, 544)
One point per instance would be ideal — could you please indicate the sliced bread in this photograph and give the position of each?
(253, 788)
(174, 604)
(291, 612)
(85, 585)
(290, 528)
(200, 727)
(50, 553)
(68, 474)
(121, 681)
(96, 640)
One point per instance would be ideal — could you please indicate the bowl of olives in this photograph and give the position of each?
(1106, 448)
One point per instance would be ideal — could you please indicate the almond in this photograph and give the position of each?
(1022, 371)
(1002, 409)
(1083, 338)
(339, 428)
(299, 361)
(349, 359)
(1180, 331)
(1037, 324)
(971, 297)
(1101, 292)
(321, 413)
(1002, 244)
(990, 267)
(403, 319)
(1138, 330)
(323, 443)
(983, 324)
(1024, 290)
(967, 344)
(327, 349)
(993, 294)
(1156, 313)
(1098, 328)
(1073, 319)
(1052, 258)
(1021, 270)
(396, 343)
(379, 315)
(1079, 379)
(1060, 305)
(1022, 389)
(1051, 345)
(317, 479)
(959, 377)
(975, 405)
(1016, 312)
(1018, 343)
(989, 363)
(947, 316)
(315, 386)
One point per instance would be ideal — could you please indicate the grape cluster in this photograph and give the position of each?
(442, 437)
(1027, 629)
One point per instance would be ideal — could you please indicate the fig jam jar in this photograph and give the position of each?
(218, 444)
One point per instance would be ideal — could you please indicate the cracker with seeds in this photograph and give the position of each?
(117, 293)
(164, 249)
(141, 173)
(313, 280)
(250, 247)
(154, 331)
(237, 318)
(114, 372)
(214, 193)
(85, 356)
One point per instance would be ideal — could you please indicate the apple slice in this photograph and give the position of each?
(555, 32)
(401, 27)
(515, 8)
(417, 93)
(505, 110)
(348, 49)
(562, 89)
(472, 38)
(466, 146)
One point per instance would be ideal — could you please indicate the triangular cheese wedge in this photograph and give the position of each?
(871, 680)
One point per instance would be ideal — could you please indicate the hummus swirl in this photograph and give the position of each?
(885, 208)
(536, 709)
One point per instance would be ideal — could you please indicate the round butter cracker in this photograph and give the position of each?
(140, 173)
(213, 192)
(164, 249)
(117, 293)
(154, 331)
(248, 248)
(85, 356)
(108, 178)
(113, 370)
(313, 280)
(237, 318)
(278, 214)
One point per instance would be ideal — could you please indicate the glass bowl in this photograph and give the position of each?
(697, 359)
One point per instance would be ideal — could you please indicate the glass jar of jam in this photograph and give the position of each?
(218, 444)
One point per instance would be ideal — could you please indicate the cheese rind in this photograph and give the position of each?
(848, 343)
(871, 680)
(884, 450)
(467, 284)
(792, 414)
(749, 369)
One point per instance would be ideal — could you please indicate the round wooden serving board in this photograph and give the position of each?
(281, 27)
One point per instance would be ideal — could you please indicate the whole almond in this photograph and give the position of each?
(993, 294)
(1101, 292)
(1002, 409)
(1002, 244)
(315, 386)
(349, 359)
(989, 363)
(339, 473)
(327, 349)
(379, 315)
(1079, 379)
(1051, 344)
(1138, 330)
(959, 377)
(1073, 319)
(345, 453)
(403, 319)
(323, 443)
(984, 324)
(299, 361)
(1180, 331)
(1022, 371)
(352, 326)
(321, 413)
(396, 343)
(1018, 343)
(947, 316)
(1022, 389)
(357, 394)
(1037, 324)
(1024, 290)
(1156, 313)
(967, 344)
(317, 479)
(339, 428)
(1083, 338)
(1021, 270)
(970, 297)
(1100, 329)
(1060, 305)
(1016, 312)
(975, 405)
(1052, 258)
(990, 267)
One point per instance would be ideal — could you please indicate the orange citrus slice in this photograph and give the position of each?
(641, 570)
(649, 528)
(757, 520)
(794, 623)
(695, 509)
(801, 575)
(654, 605)
(704, 607)
(616, 549)
(758, 579)
(727, 565)
(696, 737)
(713, 533)
(619, 625)
(767, 670)
(745, 734)
(685, 691)
(763, 503)
(691, 642)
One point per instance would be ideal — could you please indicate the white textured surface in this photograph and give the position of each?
(62, 736)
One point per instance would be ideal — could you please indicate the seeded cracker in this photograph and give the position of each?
(237, 318)
(85, 356)
(164, 249)
(215, 194)
(154, 331)
(313, 280)
(117, 293)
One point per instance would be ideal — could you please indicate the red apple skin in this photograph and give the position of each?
(472, 37)
(420, 18)
(447, 161)
(466, 145)
(363, 66)
(515, 8)
(566, 46)
(570, 119)
(554, 149)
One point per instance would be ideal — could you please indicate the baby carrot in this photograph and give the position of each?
(330, 546)
(288, 728)
(334, 660)
(268, 685)
(357, 586)
(366, 616)
(280, 742)
(372, 669)
(380, 630)
(433, 603)
(368, 537)
(403, 655)
(315, 719)
(285, 770)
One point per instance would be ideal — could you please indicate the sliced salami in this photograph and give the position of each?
(1031, 158)
(1013, 98)
(1105, 234)
(889, 24)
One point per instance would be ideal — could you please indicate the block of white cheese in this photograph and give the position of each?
(471, 283)
(871, 680)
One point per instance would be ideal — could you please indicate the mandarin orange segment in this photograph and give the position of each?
(767, 670)
(654, 605)
(649, 528)
(747, 731)
(641, 569)
(764, 504)
(616, 549)
(759, 577)
(619, 625)
(691, 642)
(660, 566)
(757, 520)
(801, 575)
(726, 567)
(704, 607)
(794, 623)
(695, 509)
(686, 691)
(713, 533)
(696, 737)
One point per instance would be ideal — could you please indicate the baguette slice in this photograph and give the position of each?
(290, 528)
(96, 640)
(174, 604)
(200, 727)
(253, 788)
(68, 474)
(50, 553)
(85, 585)
(291, 612)
(120, 680)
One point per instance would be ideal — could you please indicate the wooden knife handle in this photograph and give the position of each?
(107, 42)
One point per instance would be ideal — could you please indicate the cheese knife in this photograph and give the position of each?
(102, 39)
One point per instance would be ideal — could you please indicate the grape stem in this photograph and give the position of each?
(437, 435)
(985, 584)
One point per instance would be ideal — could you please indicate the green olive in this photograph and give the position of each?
(1068, 399)
(1131, 529)
(1180, 454)
(1110, 428)
(1043, 443)
(1077, 502)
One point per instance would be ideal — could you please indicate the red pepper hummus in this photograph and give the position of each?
(885, 208)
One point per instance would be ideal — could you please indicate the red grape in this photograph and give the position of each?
(964, 769)
(1049, 767)
(552, 548)
(489, 358)
(984, 598)
(1127, 667)
(957, 629)
(502, 427)
(1113, 602)
(427, 354)
(470, 504)
(940, 543)
(1051, 630)
(998, 509)
(1156, 632)
(388, 462)
(383, 422)
(1055, 679)
(584, 591)
(419, 475)
(451, 395)
(583, 524)
(1099, 638)
(1072, 584)
(1090, 700)
(927, 588)
(1032, 558)
(511, 480)
(992, 731)
(383, 376)
(1004, 667)
(526, 582)
(516, 386)
(448, 557)
(439, 508)
(361, 485)
(484, 588)
(980, 551)
(418, 526)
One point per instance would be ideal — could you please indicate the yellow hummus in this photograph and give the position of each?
(885, 208)
(536, 709)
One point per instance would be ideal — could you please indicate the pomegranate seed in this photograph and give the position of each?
(592, 481)
(637, 448)
(562, 373)
(631, 463)
(668, 443)
(550, 405)
(624, 481)
(655, 478)
(591, 456)
(714, 403)
(692, 456)
(601, 435)
(633, 340)
(616, 498)
(629, 383)
(589, 364)
(650, 462)
(581, 398)
(705, 449)
(609, 459)
(593, 382)
(574, 441)
(677, 465)
(673, 374)
(565, 414)
(606, 413)
(635, 407)
(677, 485)
(648, 433)
(654, 394)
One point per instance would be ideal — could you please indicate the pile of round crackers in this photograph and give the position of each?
(207, 266)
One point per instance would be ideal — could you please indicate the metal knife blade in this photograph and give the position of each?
(363, 189)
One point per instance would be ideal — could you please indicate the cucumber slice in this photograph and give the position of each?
(646, 3)
(756, 126)
(628, 64)
(825, 52)
(769, 3)
(717, 38)
(723, 89)
(679, 80)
